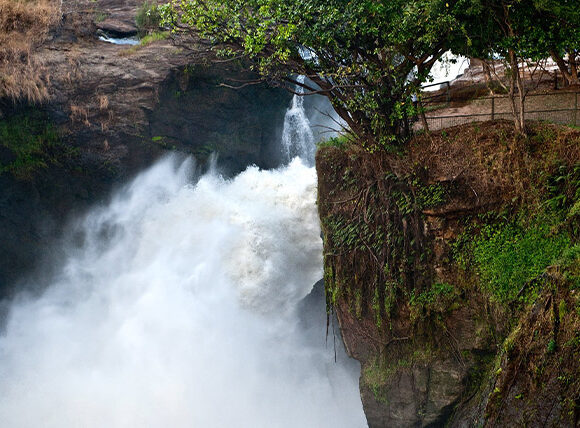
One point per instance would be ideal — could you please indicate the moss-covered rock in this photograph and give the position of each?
(434, 259)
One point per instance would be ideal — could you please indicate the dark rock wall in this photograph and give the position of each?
(198, 116)
(116, 110)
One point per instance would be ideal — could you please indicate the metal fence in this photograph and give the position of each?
(557, 107)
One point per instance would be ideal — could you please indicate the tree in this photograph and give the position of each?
(498, 29)
(516, 31)
(556, 32)
(366, 56)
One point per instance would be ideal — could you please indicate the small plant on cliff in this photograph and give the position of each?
(153, 37)
(148, 18)
(28, 141)
(145, 41)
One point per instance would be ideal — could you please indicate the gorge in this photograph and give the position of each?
(183, 301)
(186, 245)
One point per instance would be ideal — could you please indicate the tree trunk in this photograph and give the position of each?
(487, 75)
(522, 98)
(570, 74)
(573, 68)
(514, 77)
(423, 118)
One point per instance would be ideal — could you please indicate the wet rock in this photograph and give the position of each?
(117, 28)
(109, 103)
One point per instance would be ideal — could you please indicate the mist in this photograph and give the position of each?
(176, 306)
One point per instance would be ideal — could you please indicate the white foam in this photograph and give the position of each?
(178, 311)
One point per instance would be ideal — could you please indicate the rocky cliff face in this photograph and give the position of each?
(414, 246)
(111, 111)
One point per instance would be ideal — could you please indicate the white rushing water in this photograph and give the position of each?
(177, 307)
(178, 311)
(297, 135)
(131, 41)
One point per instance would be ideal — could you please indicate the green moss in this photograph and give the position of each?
(375, 376)
(569, 265)
(437, 291)
(509, 343)
(341, 141)
(551, 346)
(28, 140)
(507, 256)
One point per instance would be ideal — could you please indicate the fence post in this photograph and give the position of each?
(448, 94)
(492, 108)
(576, 109)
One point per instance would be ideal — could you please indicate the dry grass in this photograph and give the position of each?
(79, 114)
(493, 163)
(24, 24)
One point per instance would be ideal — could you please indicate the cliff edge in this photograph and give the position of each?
(453, 267)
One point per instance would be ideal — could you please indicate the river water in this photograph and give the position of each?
(179, 305)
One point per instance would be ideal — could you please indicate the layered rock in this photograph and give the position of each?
(116, 108)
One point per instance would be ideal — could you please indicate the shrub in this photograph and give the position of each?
(341, 141)
(148, 18)
(154, 37)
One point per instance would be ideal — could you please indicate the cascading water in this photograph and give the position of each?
(177, 307)
(297, 136)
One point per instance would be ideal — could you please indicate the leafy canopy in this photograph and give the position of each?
(366, 56)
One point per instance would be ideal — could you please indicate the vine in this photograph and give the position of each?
(374, 234)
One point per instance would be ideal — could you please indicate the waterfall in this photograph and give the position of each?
(297, 136)
(176, 306)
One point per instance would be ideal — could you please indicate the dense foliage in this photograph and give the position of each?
(369, 57)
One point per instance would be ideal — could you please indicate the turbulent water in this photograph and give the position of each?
(297, 135)
(177, 307)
